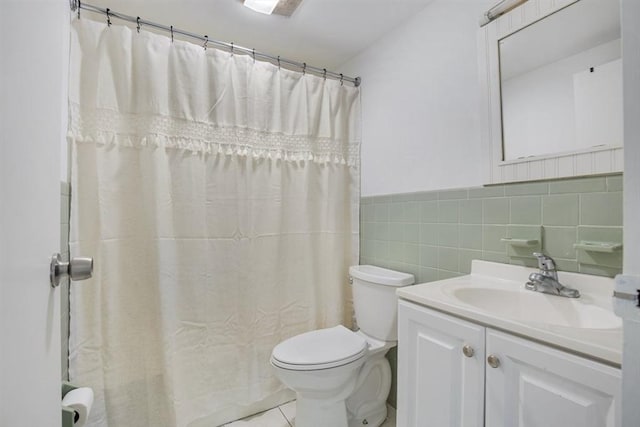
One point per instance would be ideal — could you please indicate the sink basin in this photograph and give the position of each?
(537, 308)
(493, 295)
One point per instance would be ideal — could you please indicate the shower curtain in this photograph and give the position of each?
(219, 197)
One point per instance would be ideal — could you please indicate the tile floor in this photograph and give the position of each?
(285, 416)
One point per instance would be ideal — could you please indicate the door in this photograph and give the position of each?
(532, 385)
(33, 58)
(440, 369)
(631, 99)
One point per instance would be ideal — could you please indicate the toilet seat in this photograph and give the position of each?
(319, 349)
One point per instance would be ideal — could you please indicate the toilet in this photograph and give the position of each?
(341, 378)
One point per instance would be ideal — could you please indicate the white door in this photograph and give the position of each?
(536, 386)
(33, 58)
(631, 316)
(440, 383)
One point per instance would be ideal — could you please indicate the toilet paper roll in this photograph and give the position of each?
(80, 400)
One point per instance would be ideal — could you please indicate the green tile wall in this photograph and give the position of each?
(435, 235)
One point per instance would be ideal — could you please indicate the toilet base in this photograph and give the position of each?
(321, 413)
(374, 418)
(367, 405)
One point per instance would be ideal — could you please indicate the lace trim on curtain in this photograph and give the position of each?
(107, 127)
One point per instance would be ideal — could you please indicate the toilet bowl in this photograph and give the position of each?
(341, 378)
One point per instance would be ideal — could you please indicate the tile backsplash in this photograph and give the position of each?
(435, 235)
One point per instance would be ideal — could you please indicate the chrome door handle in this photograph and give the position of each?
(79, 268)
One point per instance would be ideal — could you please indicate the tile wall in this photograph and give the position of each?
(65, 199)
(435, 235)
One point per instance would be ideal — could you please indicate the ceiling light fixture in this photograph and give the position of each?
(276, 7)
(263, 6)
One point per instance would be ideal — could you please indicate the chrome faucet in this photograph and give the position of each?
(546, 281)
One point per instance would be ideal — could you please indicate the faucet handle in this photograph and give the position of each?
(545, 262)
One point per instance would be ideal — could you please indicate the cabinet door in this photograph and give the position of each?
(438, 385)
(537, 386)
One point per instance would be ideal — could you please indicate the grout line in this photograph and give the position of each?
(284, 416)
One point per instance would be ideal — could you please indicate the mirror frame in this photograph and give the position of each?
(590, 161)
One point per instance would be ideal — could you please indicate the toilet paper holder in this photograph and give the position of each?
(76, 405)
(68, 414)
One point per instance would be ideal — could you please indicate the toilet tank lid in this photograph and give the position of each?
(381, 276)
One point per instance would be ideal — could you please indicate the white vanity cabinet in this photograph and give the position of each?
(440, 369)
(447, 378)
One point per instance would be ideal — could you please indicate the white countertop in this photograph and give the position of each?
(494, 295)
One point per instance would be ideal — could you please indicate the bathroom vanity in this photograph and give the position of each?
(483, 350)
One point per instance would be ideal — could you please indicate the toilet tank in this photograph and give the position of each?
(375, 301)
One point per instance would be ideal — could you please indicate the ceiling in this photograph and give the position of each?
(323, 33)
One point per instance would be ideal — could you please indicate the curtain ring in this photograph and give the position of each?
(341, 79)
(79, 6)
(231, 48)
(278, 62)
(324, 73)
(138, 24)
(304, 68)
(253, 53)
(206, 40)
(108, 18)
(172, 34)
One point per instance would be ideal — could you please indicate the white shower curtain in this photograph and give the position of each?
(219, 197)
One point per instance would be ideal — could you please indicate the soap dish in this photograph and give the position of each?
(606, 247)
(520, 242)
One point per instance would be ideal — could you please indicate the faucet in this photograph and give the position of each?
(546, 281)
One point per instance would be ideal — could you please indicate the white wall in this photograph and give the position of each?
(420, 99)
(33, 61)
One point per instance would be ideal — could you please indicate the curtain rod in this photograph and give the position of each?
(77, 5)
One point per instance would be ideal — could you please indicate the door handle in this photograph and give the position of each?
(78, 268)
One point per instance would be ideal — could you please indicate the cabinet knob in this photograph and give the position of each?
(493, 361)
(467, 350)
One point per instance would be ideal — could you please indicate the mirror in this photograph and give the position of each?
(561, 82)
(551, 91)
